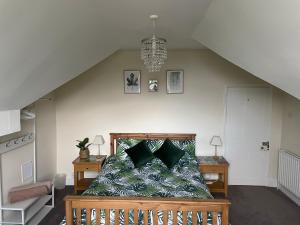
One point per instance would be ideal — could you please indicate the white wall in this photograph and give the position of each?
(46, 148)
(291, 125)
(46, 138)
(95, 103)
(276, 128)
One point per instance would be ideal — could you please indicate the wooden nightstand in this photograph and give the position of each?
(80, 166)
(208, 164)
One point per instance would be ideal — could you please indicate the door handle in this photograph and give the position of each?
(265, 146)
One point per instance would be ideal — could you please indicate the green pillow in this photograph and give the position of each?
(169, 154)
(140, 154)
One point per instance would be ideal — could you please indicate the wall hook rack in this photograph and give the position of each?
(16, 143)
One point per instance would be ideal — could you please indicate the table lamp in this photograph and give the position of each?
(216, 141)
(99, 140)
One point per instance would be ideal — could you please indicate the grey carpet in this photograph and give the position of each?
(250, 205)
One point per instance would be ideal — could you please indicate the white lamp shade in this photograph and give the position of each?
(216, 141)
(99, 140)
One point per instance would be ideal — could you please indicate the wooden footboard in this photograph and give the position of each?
(212, 206)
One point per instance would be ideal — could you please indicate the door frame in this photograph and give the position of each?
(268, 181)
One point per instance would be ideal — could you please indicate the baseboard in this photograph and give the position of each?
(247, 181)
(272, 182)
(269, 182)
(293, 197)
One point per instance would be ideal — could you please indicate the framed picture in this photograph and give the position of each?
(175, 81)
(132, 81)
(153, 85)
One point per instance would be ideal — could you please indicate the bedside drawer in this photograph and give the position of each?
(93, 164)
(87, 167)
(215, 165)
(212, 169)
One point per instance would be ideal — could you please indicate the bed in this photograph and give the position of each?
(150, 195)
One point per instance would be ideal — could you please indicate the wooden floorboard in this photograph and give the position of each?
(251, 205)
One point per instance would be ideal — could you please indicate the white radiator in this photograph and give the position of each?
(289, 175)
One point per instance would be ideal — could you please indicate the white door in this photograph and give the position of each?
(247, 135)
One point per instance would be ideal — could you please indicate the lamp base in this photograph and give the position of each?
(216, 157)
(99, 153)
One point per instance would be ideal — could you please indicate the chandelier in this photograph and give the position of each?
(154, 50)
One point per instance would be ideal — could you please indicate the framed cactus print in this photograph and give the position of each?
(132, 81)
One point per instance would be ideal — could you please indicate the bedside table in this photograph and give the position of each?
(80, 166)
(208, 164)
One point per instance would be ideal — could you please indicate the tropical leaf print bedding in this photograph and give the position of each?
(119, 178)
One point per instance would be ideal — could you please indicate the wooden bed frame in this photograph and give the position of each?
(214, 206)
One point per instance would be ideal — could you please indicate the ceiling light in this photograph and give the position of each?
(154, 50)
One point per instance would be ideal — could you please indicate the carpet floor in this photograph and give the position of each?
(250, 205)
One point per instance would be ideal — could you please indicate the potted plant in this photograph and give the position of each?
(84, 152)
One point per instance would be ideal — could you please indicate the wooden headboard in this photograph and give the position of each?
(147, 136)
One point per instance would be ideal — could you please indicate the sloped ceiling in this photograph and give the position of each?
(263, 37)
(45, 43)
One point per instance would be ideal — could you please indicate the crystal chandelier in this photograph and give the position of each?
(154, 50)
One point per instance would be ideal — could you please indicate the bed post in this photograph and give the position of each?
(112, 144)
(69, 216)
(225, 213)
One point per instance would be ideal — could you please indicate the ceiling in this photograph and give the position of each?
(45, 43)
(262, 37)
